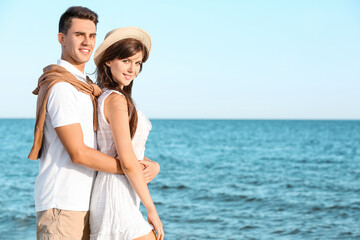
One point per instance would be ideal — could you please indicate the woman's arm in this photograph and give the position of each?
(116, 112)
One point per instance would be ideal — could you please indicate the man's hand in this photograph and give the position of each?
(150, 169)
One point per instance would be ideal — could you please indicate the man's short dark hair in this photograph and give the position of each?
(75, 12)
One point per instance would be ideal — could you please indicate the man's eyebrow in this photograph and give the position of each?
(83, 33)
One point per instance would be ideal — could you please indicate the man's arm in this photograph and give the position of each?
(71, 137)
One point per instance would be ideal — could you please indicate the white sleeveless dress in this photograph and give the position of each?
(114, 205)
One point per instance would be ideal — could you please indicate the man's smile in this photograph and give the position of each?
(85, 50)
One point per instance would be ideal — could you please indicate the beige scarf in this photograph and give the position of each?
(54, 74)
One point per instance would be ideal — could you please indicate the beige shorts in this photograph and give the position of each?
(56, 224)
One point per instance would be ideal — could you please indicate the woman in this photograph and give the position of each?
(114, 208)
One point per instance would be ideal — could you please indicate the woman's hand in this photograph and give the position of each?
(153, 219)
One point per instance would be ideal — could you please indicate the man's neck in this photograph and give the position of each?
(72, 69)
(80, 66)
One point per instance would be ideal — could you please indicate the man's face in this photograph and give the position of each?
(79, 42)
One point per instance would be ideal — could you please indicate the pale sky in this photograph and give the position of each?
(221, 59)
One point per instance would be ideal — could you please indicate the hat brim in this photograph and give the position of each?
(119, 34)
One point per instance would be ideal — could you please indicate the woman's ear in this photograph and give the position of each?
(107, 63)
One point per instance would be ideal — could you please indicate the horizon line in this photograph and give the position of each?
(236, 119)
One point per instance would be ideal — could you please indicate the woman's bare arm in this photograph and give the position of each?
(116, 112)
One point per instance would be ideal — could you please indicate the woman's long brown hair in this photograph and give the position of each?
(120, 50)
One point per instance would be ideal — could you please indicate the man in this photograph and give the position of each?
(64, 134)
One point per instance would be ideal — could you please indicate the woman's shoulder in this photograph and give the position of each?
(107, 92)
(113, 100)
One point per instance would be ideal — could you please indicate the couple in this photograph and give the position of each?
(67, 117)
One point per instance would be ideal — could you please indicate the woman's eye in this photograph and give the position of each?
(125, 61)
(138, 63)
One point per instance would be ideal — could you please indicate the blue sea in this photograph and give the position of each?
(222, 179)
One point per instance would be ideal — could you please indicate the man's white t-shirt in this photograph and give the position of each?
(61, 183)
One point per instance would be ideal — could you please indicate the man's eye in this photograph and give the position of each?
(125, 61)
(139, 63)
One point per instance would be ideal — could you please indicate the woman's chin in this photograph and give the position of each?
(127, 83)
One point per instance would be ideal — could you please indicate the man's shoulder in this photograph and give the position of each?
(62, 94)
(63, 88)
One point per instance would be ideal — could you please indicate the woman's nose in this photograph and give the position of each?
(131, 67)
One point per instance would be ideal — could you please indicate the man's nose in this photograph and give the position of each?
(86, 40)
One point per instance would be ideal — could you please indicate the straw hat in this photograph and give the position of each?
(119, 34)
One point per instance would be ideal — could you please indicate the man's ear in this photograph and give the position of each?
(61, 38)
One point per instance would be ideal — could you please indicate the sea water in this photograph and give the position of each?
(222, 179)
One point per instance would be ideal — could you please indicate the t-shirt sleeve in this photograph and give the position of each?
(62, 105)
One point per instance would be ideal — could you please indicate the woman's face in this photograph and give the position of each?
(125, 70)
